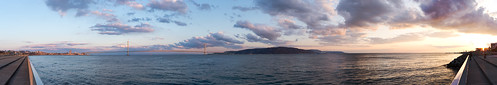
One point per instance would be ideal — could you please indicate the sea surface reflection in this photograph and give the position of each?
(247, 69)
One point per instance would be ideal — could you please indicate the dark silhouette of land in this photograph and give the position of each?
(278, 50)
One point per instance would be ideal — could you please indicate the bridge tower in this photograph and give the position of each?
(127, 46)
(205, 50)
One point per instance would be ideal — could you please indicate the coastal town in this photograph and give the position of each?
(12, 52)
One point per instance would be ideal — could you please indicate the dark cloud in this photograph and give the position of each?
(203, 6)
(62, 6)
(313, 14)
(461, 15)
(131, 13)
(169, 5)
(164, 20)
(139, 19)
(167, 20)
(82, 13)
(290, 28)
(244, 9)
(118, 28)
(211, 40)
(179, 23)
(253, 38)
(261, 30)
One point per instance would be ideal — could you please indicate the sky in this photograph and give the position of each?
(354, 26)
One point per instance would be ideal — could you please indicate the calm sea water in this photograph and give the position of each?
(246, 69)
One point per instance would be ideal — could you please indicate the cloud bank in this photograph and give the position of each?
(118, 28)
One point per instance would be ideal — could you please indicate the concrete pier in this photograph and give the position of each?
(16, 70)
(480, 70)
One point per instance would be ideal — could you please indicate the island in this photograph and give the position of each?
(278, 50)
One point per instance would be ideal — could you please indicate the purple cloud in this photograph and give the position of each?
(169, 5)
(118, 28)
(261, 30)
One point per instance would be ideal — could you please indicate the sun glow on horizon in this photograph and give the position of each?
(479, 40)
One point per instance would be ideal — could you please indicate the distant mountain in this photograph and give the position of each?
(278, 50)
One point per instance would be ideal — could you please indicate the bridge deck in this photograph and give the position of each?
(15, 70)
(482, 71)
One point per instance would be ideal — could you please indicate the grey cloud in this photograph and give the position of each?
(131, 13)
(62, 6)
(139, 19)
(244, 9)
(461, 15)
(164, 20)
(212, 40)
(118, 28)
(169, 5)
(290, 28)
(261, 30)
(202, 6)
(312, 14)
(180, 23)
(167, 20)
(253, 38)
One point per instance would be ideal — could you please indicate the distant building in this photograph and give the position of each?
(493, 47)
(479, 49)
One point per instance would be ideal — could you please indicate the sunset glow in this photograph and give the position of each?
(346, 25)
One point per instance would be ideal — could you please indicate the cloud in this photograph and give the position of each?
(107, 16)
(131, 3)
(290, 27)
(244, 9)
(167, 20)
(179, 23)
(261, 30)
(312, 14)
(62, 6)
(139, 19)
(211, 40)
(118, 28)
(202, 6)
(169, 5)
(253, 38)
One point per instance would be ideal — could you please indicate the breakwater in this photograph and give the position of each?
(457, 62)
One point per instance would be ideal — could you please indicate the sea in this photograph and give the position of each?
(342, 68)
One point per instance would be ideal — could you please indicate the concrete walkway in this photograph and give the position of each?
(15, 70)
(482, 71)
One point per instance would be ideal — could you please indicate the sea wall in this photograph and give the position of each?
(457, 62)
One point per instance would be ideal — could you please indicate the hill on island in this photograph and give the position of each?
(278, 50)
